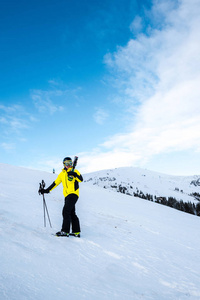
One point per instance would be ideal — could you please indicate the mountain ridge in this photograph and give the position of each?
(154, 183)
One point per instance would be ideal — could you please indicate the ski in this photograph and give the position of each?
(70, 234)
(73, 234)
(70, 178)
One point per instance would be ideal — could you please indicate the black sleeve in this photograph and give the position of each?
(51, 186)
(80, 177)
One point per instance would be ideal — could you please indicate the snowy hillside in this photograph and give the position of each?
(156, 184)
(129, 249)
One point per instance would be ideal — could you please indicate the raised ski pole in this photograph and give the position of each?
(42, 185)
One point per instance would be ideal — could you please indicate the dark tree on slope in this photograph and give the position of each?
(198, 209)
(171, 202)
(189, 208)
(182, 207)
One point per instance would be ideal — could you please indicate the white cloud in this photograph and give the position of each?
(100, 116)
(44, 104)
(55, 98)
(136, 26)
(13, 118)
(7, 146)
(160, 71)
(97, 160)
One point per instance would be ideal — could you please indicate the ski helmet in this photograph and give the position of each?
(67, 161)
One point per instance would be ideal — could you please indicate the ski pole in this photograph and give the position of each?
(42, 185)
(45, 207)
(44, 212)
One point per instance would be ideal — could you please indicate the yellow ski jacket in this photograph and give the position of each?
(69, 187)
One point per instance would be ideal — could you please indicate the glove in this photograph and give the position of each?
(44, 191)
(71, 173)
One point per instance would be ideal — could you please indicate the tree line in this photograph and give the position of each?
(186, 207)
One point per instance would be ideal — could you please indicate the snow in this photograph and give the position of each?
(154, 183)
(129, 248)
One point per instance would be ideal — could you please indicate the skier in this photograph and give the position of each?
(70, 179)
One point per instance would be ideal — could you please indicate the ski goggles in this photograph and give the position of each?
(67, 163)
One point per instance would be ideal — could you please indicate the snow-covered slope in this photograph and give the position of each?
(156, 184)
(130, 248)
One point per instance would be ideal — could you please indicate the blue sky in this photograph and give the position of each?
(114, 82)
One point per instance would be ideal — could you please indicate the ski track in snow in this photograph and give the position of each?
(129, 249)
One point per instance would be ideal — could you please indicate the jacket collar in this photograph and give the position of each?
(67, 170)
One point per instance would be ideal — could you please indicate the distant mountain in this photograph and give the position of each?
(147, 184)
(196, 182)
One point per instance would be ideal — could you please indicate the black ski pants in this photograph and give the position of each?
(69, 214)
